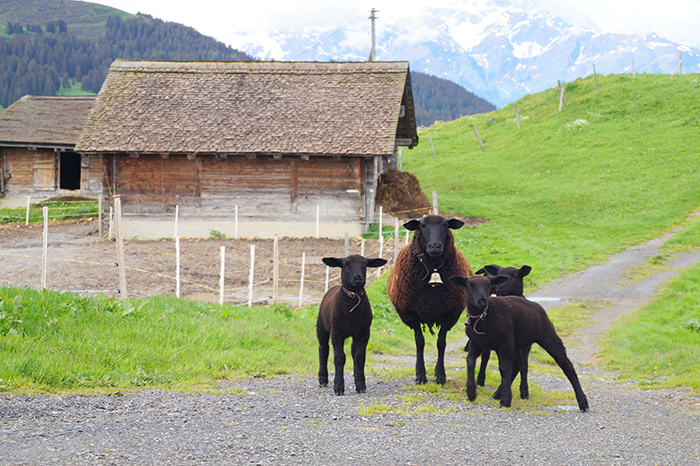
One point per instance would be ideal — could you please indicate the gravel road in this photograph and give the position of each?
(292, 421)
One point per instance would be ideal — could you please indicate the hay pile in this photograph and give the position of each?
(400, 195)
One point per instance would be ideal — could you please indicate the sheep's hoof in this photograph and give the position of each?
(361, 390)
(339, 392)
(421, 379)
(322, 384)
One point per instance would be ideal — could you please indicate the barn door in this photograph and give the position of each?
(44, 171)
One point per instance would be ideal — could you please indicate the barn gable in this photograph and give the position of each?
(38, 135)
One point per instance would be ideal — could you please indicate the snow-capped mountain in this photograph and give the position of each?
(497, 49)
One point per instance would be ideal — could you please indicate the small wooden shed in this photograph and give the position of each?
(38, 135)
(273, 141)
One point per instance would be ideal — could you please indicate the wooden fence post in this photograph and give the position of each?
(595, 75)
(562, 100)
(478, 138)
(222, 270)
(318, 218)
(432, 146)
(45, 253)
(680, 66)
(301, 287)
(251, 274)
(435, 203)
(517, 115)
(396, 238)
(120, 245)
(347, 244)
(99, 218)
(400, 159)
(275, 267)
(633, 71)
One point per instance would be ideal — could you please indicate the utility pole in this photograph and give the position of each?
(372, 17)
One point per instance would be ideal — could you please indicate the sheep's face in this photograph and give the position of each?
(353, 269)
(434, 232)
(513, 286)
(477, 290)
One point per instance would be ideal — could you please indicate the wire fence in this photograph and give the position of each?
(77, 255)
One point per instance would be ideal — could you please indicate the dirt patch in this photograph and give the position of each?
(79, 260)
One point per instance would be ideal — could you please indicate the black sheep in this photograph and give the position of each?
(345, 312)
(419, 288)
(508, 325)
(512, 287)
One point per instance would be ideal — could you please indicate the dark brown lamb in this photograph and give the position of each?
(417, 301)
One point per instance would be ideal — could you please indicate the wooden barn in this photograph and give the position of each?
(37, 141)
(280, 144)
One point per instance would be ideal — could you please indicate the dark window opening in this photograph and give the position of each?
(70, 170)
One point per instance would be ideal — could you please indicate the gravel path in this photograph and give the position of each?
(293, 421)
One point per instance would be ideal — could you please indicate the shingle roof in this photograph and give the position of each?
(45, 120)
(248, 107)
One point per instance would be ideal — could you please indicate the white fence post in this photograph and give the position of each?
(27, 220)
(275, 268)
(177, 266)
(177, 214)
(318, 218)
(236, 224)
(435, 203)
(120, 245)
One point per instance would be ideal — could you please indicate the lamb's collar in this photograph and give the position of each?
(472, 320)
(352, 294)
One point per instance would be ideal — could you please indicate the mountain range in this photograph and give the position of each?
(500, 50)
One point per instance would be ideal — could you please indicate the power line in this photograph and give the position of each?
(328, 37)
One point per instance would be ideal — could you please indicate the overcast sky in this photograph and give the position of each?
(231, 21)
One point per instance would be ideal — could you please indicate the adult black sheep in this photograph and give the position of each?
(413, 289)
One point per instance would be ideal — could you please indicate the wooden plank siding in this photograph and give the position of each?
(211, 186)
(19, 175)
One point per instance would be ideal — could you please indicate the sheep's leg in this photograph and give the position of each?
(556, 349)
(420, 362)
(323, 336)
(358, 351)
(524, 390)
(474, 351)
(506, 367)
(440, 376)
(339, 360)
(481, 378)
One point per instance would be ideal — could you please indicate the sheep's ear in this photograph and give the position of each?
(524, 271)
(481, 271)
(412, 225)
(455, 224)
(491, 269)
(458, 280)
(332, 261)
(499, 279)
(376, 262)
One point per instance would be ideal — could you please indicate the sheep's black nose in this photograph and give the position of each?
(434, 249)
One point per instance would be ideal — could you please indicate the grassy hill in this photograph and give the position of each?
(83, 18)
(617, 166)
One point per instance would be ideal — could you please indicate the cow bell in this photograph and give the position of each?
(435, 279)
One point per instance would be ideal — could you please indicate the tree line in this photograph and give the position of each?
(40, 63)
(438, 99)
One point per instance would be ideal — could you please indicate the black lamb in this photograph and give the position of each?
(345, 312)
(508, 325)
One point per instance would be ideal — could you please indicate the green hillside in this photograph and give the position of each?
(617, 166)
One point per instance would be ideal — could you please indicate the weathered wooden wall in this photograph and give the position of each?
(263, 186)
(36, 172)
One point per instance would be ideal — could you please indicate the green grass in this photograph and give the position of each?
(668, 355)
(53, 341)
(58, 210)
(562, 195)
(76, 88)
